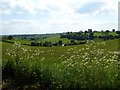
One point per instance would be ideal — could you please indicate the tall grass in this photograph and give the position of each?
(89, 67)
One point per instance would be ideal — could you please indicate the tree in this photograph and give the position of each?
(47, 44)
(89, 30)
(118, 32)
(72, 41)
(41, 44)
(91, 36)
(106, 34)
(60, 42)
(37, 44)
(113, 30)
(33, 44)
(107, 31)
(10, 37)
(85, 32)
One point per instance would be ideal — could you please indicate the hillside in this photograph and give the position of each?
(61, 50)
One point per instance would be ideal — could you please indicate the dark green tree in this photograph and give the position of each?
(33, 44)
(113, 30)
(60, 42)
(91, 36)
(118, 32)
(10, 37)
(72, 41)
(89, 30)
(106, 35)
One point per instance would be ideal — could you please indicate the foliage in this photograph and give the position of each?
(105, 35)
(88, 67)
(10, 37)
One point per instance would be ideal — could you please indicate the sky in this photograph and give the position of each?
(55, 16)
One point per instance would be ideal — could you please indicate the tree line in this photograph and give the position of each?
(58, 43)
(81, 37)
(89, 35)
(47, 44)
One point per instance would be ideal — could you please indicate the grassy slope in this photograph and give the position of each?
(111, 45)
(52, 60)
(21, 41)
(54, 39)
(101, 34)
(57, 38)
(49, 39)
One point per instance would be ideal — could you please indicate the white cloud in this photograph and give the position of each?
(63, 16)
(20, 26)
(64, 5)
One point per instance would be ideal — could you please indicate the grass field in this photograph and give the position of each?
(101, 34)
(60, 50)
(49, 39)
(91, 65)
(56, 38)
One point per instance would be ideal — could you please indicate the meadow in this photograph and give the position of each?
(92, 65)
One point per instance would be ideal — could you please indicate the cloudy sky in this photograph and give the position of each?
(52, 16)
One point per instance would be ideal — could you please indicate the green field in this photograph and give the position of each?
(60, 50)
(56, 38)
(92, 65)
(101, 34)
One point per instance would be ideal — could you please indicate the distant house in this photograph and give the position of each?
(63, 44)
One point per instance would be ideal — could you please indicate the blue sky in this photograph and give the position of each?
(52, 16)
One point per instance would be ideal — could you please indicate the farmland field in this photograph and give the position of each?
(59, 45)
(89, 65)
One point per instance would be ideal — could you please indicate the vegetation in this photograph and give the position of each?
(63, 39)
(76, 38)
(90, 35)
(83, 60)
(93, 65)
